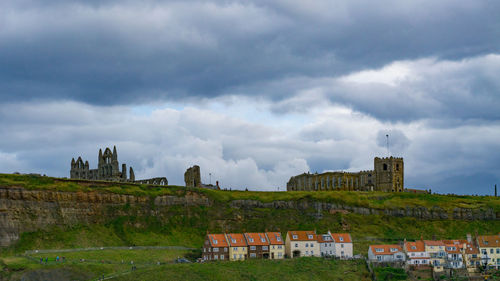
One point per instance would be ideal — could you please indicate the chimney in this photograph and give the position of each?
(469, 238)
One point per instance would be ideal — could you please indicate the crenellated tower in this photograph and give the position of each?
(389, 174)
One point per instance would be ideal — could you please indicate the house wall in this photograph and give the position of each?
(277, 252)
(327, 249)
(343, 247)
(238, 253)
(312, 248)
(493, 253)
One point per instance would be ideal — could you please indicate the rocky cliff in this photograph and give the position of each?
(23, 210)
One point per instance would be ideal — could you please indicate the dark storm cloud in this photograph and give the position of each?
(120, 52)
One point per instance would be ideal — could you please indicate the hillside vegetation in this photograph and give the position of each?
(376, 200)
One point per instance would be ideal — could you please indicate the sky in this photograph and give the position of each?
(254, 91)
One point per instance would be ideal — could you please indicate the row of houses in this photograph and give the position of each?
(442, 254)
(271, 245)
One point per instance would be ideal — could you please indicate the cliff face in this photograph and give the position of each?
(23, 210)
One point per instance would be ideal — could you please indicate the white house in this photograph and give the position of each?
(454, 254)
(302, 244)
(386, 253)
(326, 245)
(416, 254)
(343, 245)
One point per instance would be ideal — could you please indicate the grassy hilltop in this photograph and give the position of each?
(186, 225)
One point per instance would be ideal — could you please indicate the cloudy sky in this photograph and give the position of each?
(254, 91)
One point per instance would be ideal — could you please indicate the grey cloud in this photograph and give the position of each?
(120, 52)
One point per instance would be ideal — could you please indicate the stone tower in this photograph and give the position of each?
(192, 177)
(389, 173)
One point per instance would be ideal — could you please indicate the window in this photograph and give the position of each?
(216, 250)
(385, 167)
(491, 251)
(296, 245)
(379, 250)
(262, 239)
(225, 249)
(394, 250)
(295, 237)
(280, 247)
(215, 241)
(413, 247)
(209, 250)
(341, 245)
(379, 258)
(278, 238)
(204, 250)
(312, 252)
(307, 252)
(221, 257)
(233, 240)
(241, 256)
(307, 245)
(234, 256)
(310, 236)
(216, 257)
(251, 239)
(235, 249)
(273, 247)
(264, 248)
(498, 250)
(397, 167)
(253, 255)
(280, 254)
(341, 239)
(252, 248)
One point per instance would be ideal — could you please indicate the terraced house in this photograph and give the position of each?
(276, 245)
(215, 247)
(454, 255)
(238, 248)
(386, 253)
(489, 247)
(437, 253)
(302, 244)
(416, 254)
(326, 245)
(472, 258)
(343, 245)
(258, 245)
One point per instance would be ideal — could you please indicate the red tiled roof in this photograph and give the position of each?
(417, 246)
(217, 240)
(470, 249)
(386, 249)
(302, 235)
(275, 238)
(325, 238)
(489, 241)
(346, 237)
(236, 240)
(433, 243)
(256, 239)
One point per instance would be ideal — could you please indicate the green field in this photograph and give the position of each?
(186, 226)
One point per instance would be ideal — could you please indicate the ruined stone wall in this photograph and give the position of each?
(192, 177)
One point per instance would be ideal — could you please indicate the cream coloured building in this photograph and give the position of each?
(343, 245)
(238, 248)
(276, 245)
(437, 254)
(302, 244)
(489, 248)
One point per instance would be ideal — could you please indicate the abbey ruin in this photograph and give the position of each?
(108, 170)
(387, 175)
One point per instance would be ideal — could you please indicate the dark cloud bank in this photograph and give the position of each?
(345, 73)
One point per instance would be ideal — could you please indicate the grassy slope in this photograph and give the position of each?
(377, 200)
(298, 269)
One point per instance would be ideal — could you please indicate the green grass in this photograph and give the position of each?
(389, 273)
(297, 269)
(377, 200)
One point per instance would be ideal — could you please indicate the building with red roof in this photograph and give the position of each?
(276, 245)
(215, 247)
(302, 244)
(258, 245)
(416, 254)
(343, 245)
(238, 248)
(386, 253)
